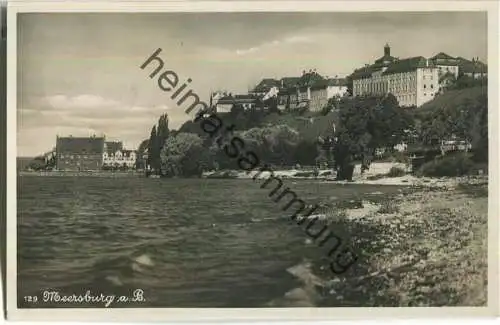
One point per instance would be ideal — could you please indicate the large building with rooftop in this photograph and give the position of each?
(413, 81)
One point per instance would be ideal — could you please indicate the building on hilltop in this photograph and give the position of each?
(413, 81)
(445, 64)
(264, 87)
(337, 87)
(246, 102)
(79, 153)
(310, 91)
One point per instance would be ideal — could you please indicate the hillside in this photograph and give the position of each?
(309, 125)
(452, 99)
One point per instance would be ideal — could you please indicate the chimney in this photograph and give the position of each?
(387, 50)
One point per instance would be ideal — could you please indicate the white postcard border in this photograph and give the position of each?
(245, 314)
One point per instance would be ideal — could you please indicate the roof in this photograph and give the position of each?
(87, 145)
(113, 146)
(407, 65)
(337, 82)
(364, 72)
(237, 99)
(287, 82)
(442, 56)
(444, 59)
(385, 59)
(266, 84)
(467, 66)
(313, 80)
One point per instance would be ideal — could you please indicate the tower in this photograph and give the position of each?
(387, 50)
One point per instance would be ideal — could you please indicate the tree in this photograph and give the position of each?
(163, 131)
(184, 155)
(38, 163)
(273, 144)
(349, 85)
(461, 114)
(141, 150)
(365, 124)
(153, 151)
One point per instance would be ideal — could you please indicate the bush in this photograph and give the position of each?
(396, 172)
(451, 165)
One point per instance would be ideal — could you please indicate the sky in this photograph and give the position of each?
(79, 73)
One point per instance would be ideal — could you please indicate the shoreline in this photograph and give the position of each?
(400, 267)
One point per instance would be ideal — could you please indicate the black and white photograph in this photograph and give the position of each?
(251, 159)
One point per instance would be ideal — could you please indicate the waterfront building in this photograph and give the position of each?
(79, 153)
(115, 156)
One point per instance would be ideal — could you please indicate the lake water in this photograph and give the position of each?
(184, 242)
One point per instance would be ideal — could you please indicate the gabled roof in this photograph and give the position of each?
(444, 59)
(82, 145)
(442, 56)
(266, 84)
(113, 146)
(313, 80)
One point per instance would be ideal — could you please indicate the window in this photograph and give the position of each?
(424, 94)
(432, 86)
(425, 86)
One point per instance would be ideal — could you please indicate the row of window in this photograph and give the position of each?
(117, 156)
(74, 156)
(62, 156)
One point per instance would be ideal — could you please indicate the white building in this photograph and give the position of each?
(115, 156)
(337, 87)
(413, 81)
(445, 64)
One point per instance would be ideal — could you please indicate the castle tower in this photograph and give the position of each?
(387, 50)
